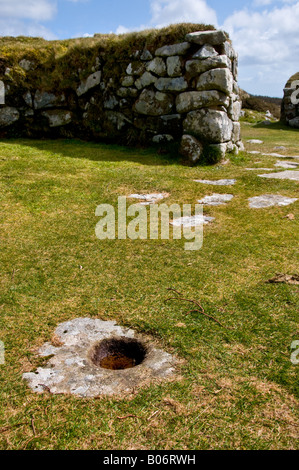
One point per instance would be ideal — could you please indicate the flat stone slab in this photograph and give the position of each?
(283, 175)
(253, 152)
(255, 141)
(260, 169)
(193, 221)
(147, 199)
(216, 199)
(269, 200)
(287, 165)
(224, 182)
(72, 371)
(278, 155)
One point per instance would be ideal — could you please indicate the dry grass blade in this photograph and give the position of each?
(126, 417)
(200, 308)
(8, 428)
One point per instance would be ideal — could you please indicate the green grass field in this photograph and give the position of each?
(236, 387)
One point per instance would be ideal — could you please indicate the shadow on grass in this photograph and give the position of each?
(102, 152)
(275, 126)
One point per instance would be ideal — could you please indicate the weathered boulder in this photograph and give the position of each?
(227, 49)
(171, 84)
(290, 102)
(110, 102)
(43, 99)
(162, 138)
(128, 80)
(135, 68)
(191, 100)
(146, 55)
(207, 37)
(145, 80)
(28, 99)
(236, 132)
(174, 49)
(118, 120)
(58, 117)
(154, 103)
(157, 66)
(294, 122)
(92, 81)
(216, 79)
(205, 52)
(209, 125)
(235, 108)
(8, 116)
(191, 148)
(125, 92)
(26, 64)
(174, 66)
(197, 66)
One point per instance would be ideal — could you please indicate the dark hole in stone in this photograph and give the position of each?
(118, 353)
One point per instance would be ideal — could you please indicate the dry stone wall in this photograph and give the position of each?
(184, 94)
(290, 102)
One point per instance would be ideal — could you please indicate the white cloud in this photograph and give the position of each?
(30, 9)
(122, 29)
(165, 12)
(268, 44)
(16, 27)
(22, 18)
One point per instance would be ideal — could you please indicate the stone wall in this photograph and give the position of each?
(184, 93)
(290, 102)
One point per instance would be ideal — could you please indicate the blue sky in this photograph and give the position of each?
(265, 33)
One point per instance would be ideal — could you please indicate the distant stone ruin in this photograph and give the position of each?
(181, 93)
(290, 102)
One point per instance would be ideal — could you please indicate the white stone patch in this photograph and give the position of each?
(255, 141)
(192, 221)
(269, 200)
(253, 152)
(278, 155)
(224, 182)
(287, 165)
(71, 370)
(260, 169)
(292, 175)
(216, 199)
(147, 199)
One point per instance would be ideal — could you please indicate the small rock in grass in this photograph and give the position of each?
(255, 141)
(147, 199)
(224, 182)
(216, 199)
(278, 155)
(269, 200)
(193, 221)
(292, 175)
(291, 165)
(260, 169)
